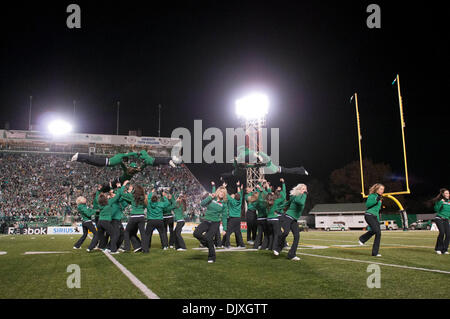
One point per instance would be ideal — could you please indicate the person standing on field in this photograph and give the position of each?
(372, 217)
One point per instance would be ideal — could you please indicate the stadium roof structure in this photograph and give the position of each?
(84, 138)
(339, 208)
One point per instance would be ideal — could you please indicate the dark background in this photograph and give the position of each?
(197, 57)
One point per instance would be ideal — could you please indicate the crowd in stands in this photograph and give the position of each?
(39, 187)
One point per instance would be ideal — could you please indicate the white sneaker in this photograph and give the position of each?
(74, 158)
(137, 249)
(121, 250)
(171, 246)
(259, 247)
(378, 255)
(276, 253)
(446, 253)
(107, 250)
(88, 250)
(114, 253)
(250, 242)
(295, 258)
(165, 248)
(181, 249)
(210, 261)
(438, 252)
(76, 247)
(359, 242)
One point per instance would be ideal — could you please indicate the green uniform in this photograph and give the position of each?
(147, 158)
(373, 205)
(296, 206)
(155, 209)
(117, 209)
(215, 210)
(106, 212)
(178, 210)
(244, 152)
(126, 176)
(117, 159)
(442, 208)
(278, 204)
(225, 215)
(261, 207)
(167, 211)
(234, 206)
(135, 208)
(250, 206)
(95, 204)
(85, 212)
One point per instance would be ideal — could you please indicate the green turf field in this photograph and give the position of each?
(236, 274)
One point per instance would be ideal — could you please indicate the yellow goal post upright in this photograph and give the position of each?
(402, 124)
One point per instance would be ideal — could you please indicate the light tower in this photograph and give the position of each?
(252, 109)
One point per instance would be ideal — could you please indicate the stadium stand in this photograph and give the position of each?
(39, 185)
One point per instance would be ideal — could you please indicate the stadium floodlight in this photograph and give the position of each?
(253, 106)
(59, 127)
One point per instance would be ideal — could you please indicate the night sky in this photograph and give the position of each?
(196, 58)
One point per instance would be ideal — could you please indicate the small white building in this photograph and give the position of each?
(351, 215)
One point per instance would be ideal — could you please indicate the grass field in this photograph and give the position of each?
(331, 266)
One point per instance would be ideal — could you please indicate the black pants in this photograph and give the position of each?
(179, 241)
(104, 228)
(205, 233)
(87, 225)
(294, 170)
(251, 225)
(134, 224)
(444, 234)
(99, 161)
(153, 224)
(274, 233)
(118, 230)
(217, 241)
(234, 226)
(168, 223)
(374, 224)
(288, 224)
(262, 236)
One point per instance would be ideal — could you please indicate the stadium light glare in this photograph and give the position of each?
(253, 106)
(59, 127)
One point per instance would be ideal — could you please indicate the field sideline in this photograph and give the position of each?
(332, 266)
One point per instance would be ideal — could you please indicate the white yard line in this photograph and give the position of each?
(45, 252)
(143, 288)
(377, 263)
(3, 252)
(353, 241)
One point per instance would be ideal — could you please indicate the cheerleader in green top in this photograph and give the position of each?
(442, 209)
(289, 221)
(234, 203)
(215, 208)
(372, 217)
(262, 233)
(274, 205)
(104, 227)
(179, 208)
(136, 221)
(218, 242)
(86, 214)
(118, 159)
(155, 209)
(250, 217)
(169, 220)
(248, 158)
